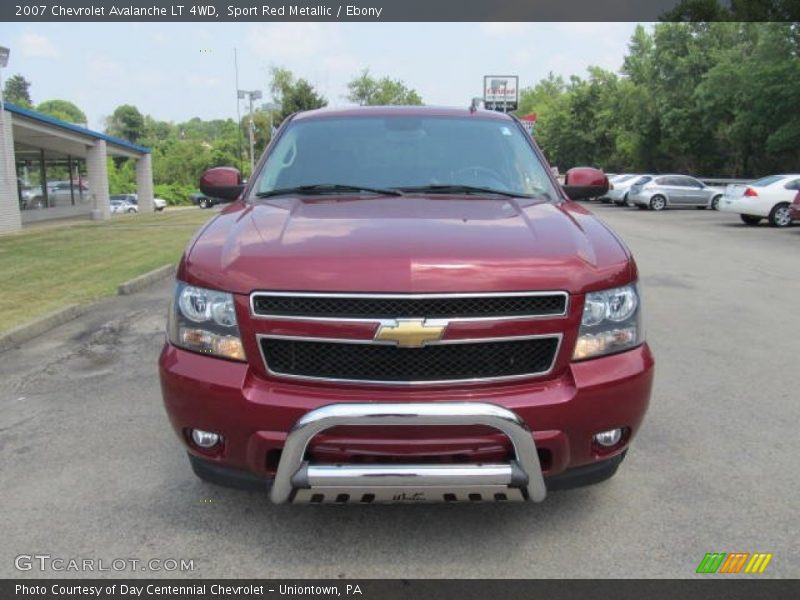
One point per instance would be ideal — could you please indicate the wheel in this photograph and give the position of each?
(658, 203)
(205, 203)
(780, 216)
(715, 202)
(131, 211)
(750, 219)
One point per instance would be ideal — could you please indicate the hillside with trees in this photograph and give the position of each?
(713, 99)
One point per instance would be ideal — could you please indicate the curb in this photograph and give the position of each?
(28, 331)
(38, 326)
(142, 281)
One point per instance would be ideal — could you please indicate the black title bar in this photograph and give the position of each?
(399, 10)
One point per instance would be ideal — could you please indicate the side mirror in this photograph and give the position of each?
(222, 182)
(585, 182)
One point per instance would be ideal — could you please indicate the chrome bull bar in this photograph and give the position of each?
(296, 480)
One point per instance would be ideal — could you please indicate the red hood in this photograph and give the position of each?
(406, 244)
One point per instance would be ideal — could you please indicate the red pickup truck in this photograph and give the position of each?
(404, 305)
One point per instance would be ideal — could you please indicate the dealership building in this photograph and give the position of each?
(51, 169)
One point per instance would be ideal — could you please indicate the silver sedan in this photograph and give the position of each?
(674, 191)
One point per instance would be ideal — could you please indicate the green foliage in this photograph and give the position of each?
(292, 94)
(127, 123)
(705, 98)
(368, 91)
(176, 194)
(64, 110)
(17, 90)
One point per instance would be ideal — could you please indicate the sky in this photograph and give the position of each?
(176, 71)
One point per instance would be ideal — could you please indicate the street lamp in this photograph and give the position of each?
(251, 95)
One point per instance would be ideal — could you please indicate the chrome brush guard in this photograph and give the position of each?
(299, 481)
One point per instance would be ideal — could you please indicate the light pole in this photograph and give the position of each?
(251, 95)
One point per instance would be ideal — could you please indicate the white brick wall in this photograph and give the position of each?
(10, 219)
(144, 183)
(97, 169)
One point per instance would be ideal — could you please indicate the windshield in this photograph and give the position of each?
(766, 181)
(622, 178)
(405, 152)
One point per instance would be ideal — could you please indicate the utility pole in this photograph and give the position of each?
(251, 95)
(238, 110)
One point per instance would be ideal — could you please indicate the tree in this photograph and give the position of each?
(64, 110)
(368, 91)
(292, 94)
(127, 123)
(17, 91)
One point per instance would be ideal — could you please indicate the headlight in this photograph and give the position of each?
(204, 321)
(611, 322)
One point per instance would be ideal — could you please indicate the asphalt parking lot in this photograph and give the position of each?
(91, 469)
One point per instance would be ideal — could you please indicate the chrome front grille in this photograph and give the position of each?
(412, 340)
(398, 306)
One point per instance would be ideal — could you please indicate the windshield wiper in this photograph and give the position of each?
(454, 188)
(328, 188)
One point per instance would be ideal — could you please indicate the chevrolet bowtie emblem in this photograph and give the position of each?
(410, 333)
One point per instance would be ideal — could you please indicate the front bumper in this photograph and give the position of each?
(255, 415)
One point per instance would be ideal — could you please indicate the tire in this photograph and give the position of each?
(780, 215)
(750, 219)
(658, 203)
(130, 211)
(205, 203)
(715, 202)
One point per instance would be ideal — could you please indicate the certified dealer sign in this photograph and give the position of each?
(501, 92)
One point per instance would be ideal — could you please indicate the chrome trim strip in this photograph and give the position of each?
(280, 375)
(292, 464)
(560, 315)
(394, 475)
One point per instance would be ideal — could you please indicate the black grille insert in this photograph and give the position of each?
(383, 363)
(372, 307)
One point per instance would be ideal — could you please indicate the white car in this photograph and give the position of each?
(122, 206)
(765, 198)
(622, 185)
(159, 204)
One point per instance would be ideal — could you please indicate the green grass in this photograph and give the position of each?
(44, 268)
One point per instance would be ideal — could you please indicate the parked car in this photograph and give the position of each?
(61, 193)
(159, 204)
(611, 179)
(768, 197)
(397, 268)
(123, 206)
(622, 185)
(203, 201)
(794, 208)
(673, 191)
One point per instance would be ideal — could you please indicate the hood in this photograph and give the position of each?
(409, 244)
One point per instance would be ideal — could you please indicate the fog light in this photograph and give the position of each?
(205, 439)
(609, 438)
